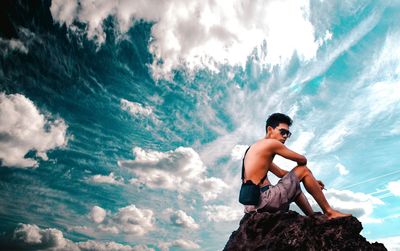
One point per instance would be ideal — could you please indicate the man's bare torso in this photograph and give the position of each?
(258, 161)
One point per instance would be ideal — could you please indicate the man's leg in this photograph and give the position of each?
(303, 204)
(310, 183)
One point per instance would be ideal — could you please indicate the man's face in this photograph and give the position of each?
(281, 132)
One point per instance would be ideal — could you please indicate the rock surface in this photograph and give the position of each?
(291, 231)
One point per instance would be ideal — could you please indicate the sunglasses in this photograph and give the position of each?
(285, 132)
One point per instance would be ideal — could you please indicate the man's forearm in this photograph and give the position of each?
(284, 172)
(302, 162)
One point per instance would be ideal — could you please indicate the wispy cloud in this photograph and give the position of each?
(238, 151)
(9, 45)
(371, 179)
(135, 108)
(107, 179)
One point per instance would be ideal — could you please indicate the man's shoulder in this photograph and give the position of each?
(268, 143)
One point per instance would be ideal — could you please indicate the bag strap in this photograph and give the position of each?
(243, 163)
(262, 180)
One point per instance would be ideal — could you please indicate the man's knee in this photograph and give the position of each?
(302, 171)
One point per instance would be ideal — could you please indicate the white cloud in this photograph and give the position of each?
(210, 188)
(135, 108)
(302, 142)
(180, 218)
(391, 243)
(180, 243)
(337, 47)
(218, 213)
(97, 214)
(342, 169)
(31, 237)
(129, 220)
(27, 235)
(132, 220)
(203, 34)
(64, 10)
(110, 246)
(181, 169)
(394, 187)
(23, 128)
(375, 96)
(359, 204)
(238, 151)
(335, 136)
(108, 179)
(376, 101)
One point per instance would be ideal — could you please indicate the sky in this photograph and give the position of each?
(123, 123)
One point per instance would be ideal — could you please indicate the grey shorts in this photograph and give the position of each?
(278, 197)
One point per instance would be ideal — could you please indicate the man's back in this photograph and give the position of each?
(258, 160)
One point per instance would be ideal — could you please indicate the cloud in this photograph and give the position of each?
(238, 151)
(202, 34)
(23, 128)
(135, 108)
(302, 142)
(110, 246)
(140, 111)
(180, 218)
(180, 243)
(375, 96)
(391, 243)
(219, 213)
(359, 204)
(108, 179)
(342, 169)
(129, 220)
(181, 170)
(132, 220)
(97, 214)
(9, 45)
(377, 100)
(31, 237)
(394, 187)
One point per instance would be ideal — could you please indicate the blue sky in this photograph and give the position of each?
(138, 145)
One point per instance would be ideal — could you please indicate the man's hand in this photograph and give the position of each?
(321, 184)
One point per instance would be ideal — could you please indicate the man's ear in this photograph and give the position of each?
(269, 129)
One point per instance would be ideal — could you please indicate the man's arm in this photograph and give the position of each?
(285, 152)
(277, 170)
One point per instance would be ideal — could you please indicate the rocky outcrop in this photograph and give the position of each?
(291, 231)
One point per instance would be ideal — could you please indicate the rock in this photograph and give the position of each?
(291, 231)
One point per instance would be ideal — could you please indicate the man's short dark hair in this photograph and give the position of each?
(276, 118)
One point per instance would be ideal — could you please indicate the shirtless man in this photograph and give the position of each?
(258, 162)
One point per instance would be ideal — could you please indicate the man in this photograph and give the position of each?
(258, 162)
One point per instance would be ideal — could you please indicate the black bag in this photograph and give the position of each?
(249, 192)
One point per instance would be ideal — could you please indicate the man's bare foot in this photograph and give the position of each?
(336, 214)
